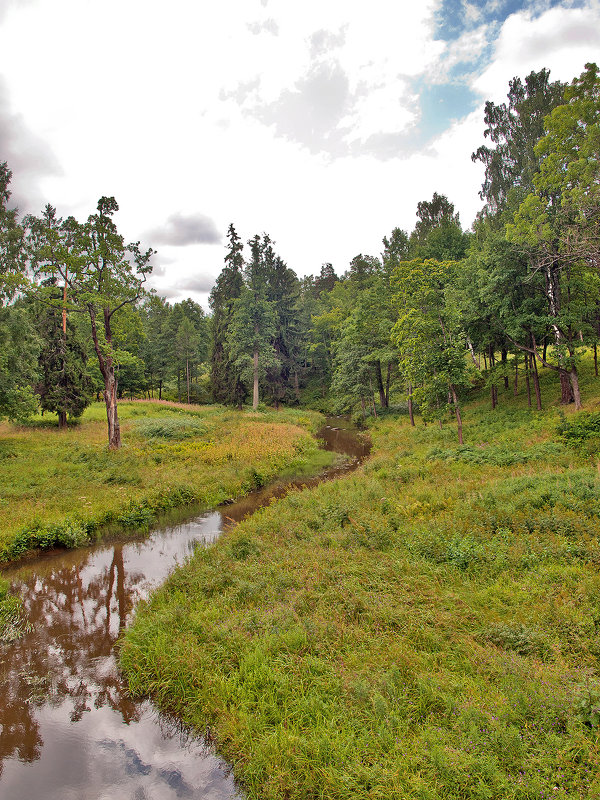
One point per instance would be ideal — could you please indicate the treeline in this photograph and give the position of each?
(437, 311)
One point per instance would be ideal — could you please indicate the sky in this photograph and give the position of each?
(322, 123)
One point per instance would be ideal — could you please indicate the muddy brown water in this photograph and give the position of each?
(68, 728)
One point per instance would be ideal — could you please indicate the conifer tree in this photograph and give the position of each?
(225, 382)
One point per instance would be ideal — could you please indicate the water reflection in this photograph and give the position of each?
(68, 727)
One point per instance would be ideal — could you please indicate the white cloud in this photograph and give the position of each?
(563, 39)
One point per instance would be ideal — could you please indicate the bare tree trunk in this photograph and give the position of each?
(527, 381)
(187, 376)
(62, 420)
(516, 388)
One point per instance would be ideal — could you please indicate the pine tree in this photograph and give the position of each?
(225, 382)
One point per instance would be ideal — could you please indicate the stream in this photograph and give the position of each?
(68, 728)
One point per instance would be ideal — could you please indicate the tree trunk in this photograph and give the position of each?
(62, 420)
(387, 384)
(107, 369)
(574, 379)
(536, 385)
(493, 389)
(504, 359)
(378, 375)
(160, 390)
(595, 360)
(566, 392)
(516, 389)
(187, 376)
(458, 416)
(255, 379)
(527, 381)
(110, 398)
(296, 386)
(411, 415)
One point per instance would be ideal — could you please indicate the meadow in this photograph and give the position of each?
(67, 489)
(425, 627)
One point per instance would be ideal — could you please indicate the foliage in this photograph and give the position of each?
(13, 620)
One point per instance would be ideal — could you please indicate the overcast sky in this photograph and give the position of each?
(321, 122)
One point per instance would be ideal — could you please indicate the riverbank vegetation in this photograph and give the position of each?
(426, 627)
(66, 488)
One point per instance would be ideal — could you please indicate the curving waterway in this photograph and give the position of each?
(68, 728)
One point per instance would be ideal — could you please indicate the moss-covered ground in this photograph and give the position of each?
(426, 627)
(67, 488)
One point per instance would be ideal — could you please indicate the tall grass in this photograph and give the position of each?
(427, 627)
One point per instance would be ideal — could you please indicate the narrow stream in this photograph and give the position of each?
(68, 729)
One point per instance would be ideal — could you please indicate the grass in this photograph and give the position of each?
(67, 488)
(13, 618)
(427, 627)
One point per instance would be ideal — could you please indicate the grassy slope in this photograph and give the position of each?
(65, 488)
(426, 627)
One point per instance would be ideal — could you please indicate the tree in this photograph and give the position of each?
(325, 280)
(429, 335)
(283, 292)
(18, 343)
(396, 248)
(437, 234)
(186, 348)
(156, 345)
(64, 386)
(254, 323)
(557, 224)
(515, 128)
(107, 276)
(225, 381)
(103, 276)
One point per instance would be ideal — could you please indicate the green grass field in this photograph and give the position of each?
(67, 488)
(426, 627)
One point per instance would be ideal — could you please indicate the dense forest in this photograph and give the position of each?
(438, 311)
